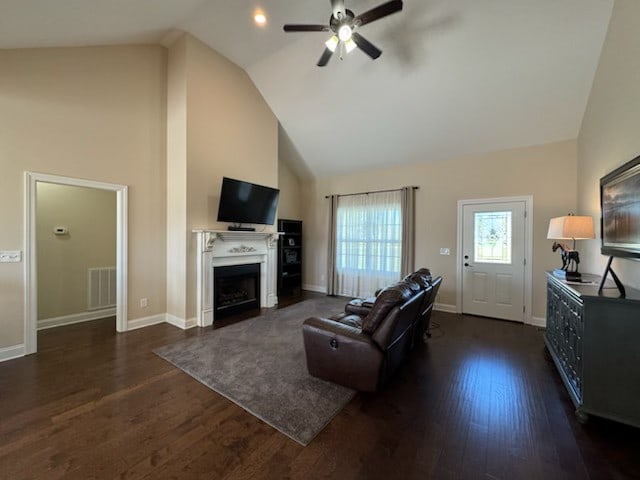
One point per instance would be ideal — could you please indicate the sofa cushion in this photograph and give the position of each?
(347, 319)
(389, 297)
(363, 302)
(360, 306)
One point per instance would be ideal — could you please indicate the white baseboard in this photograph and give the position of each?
(146, 321)
(538, 322)
(76, 318)
(314, 288)
(444, 307)
(181, 322)
(9, 353)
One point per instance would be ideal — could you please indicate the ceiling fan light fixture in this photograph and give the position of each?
(332, 43)
(349, 45)
(344, 23)
(344, 33)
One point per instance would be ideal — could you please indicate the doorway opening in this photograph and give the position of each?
(495, 248)
(108, 285)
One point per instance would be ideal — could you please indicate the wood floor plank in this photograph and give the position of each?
(480, 400)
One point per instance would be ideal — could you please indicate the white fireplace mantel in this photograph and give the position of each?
(218, 248)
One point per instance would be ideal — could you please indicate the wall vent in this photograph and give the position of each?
(101, 288)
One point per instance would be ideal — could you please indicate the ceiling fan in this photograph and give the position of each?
(344, 23)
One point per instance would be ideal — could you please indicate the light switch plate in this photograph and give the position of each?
(445, 251)
(10, 256)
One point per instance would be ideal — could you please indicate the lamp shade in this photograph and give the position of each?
(571, 227)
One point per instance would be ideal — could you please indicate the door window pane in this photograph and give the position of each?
(492, 237)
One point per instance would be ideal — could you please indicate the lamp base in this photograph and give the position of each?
(573, 277)
(559, 273)
(568, 276)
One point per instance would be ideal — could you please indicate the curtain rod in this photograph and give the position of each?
(367, 193)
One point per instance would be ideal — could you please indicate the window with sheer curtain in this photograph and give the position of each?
(368, 242)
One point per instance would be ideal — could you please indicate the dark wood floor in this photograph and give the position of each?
(481, 400)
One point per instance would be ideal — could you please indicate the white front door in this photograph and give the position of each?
(493, 256)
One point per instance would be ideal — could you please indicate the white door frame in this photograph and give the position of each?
(528, 249)
(30, 265)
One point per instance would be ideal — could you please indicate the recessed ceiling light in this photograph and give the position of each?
(260, 18)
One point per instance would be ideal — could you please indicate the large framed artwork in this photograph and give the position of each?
(620, 206)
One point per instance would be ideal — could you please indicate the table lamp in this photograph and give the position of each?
(570, 227)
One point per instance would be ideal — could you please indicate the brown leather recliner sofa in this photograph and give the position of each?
(363, 351)
(362, 306)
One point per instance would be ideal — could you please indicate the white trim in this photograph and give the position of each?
(75, 318)
(30, 269)
(9, 353)
(314, 288)
(538, 322)
(445, 307)
(528, 249)
(181, 322)
(146, 321)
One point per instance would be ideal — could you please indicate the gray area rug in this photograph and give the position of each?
(260, 365)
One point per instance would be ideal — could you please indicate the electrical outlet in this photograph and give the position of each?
(144, 302)
(11, 256)
(445, 251)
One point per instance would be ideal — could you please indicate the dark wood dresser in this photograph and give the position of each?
(594, 341)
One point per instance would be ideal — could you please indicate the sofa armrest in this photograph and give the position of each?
(341, 354)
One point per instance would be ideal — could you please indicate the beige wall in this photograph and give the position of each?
(63, 260)
(177, 237)
(547, 172)
(230, 131)
(609, 135)
(290, 204)
(96, 113)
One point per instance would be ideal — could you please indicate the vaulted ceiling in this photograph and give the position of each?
(456, 77)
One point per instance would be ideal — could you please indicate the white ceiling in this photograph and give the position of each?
(456, 77)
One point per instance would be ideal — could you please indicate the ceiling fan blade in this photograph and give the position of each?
(305, 28)
(378, 12)
(366, 46)
(338, 8)
(326, 56)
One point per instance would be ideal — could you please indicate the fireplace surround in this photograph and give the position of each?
(220, 248)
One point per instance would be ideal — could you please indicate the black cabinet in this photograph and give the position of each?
(290, 257)
(593, 340)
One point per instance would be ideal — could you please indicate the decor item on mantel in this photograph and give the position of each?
(570, 227)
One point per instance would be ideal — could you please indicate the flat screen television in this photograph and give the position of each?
(620, 211)
(244, 202)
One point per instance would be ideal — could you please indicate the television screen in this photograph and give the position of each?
(620, 207)
(244, 202)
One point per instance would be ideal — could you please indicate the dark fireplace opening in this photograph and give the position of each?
(236, 288)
